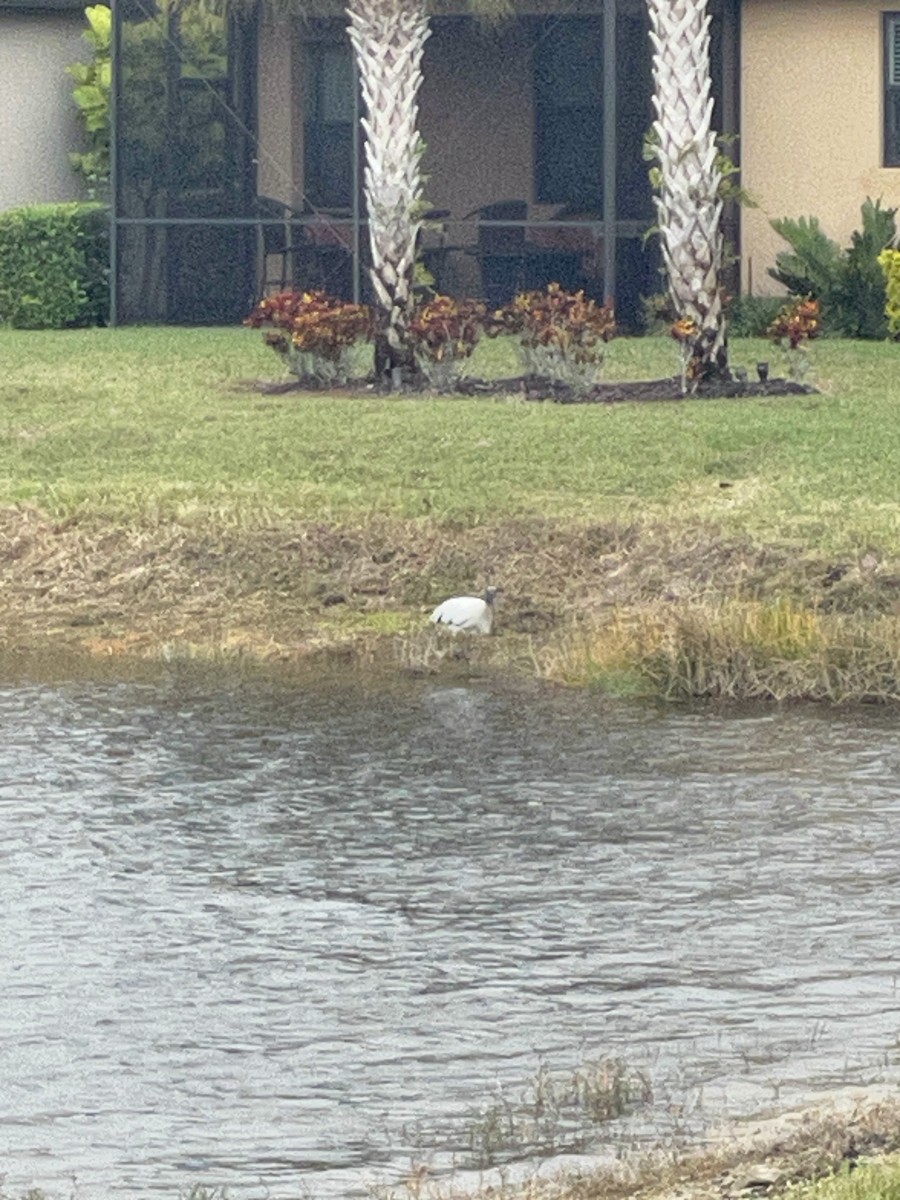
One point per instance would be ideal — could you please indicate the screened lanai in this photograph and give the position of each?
(238, 159)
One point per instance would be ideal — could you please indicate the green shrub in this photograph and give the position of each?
(889, 261)
(54, 266)
(93, 81)
(848, 284)
(751, 316)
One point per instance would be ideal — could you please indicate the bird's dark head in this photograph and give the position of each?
(490, 593)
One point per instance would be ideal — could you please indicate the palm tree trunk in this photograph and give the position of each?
(689, 208)
(388, 38)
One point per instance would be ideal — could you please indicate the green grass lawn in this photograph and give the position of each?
(870, 1181)
(154, 422)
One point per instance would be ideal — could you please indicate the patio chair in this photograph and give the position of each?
(323, 252)
(501, 249)
(275, 244)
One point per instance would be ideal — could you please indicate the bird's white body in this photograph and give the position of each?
(466, 614)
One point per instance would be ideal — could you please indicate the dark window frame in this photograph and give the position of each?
(891, 89)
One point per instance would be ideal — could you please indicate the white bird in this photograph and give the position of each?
(467, 614)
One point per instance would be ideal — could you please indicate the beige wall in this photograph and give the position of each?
(477, 151)
(811, 120)
(280, 152)
(474, 156)
(39, 123)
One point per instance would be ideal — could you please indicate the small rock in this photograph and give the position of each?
(758, 1178)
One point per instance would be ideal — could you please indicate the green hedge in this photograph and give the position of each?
(54, 266)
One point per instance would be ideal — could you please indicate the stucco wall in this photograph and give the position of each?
(477, 153)
(39, 124)
(280, 153)
(811, 120)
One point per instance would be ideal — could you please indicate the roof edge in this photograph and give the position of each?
(36, 6)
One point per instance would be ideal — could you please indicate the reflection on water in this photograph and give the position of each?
(277, 936)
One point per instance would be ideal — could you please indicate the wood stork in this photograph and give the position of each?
(467, 614)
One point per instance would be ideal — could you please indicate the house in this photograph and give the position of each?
(819, 117)
(238, 158)
(38, 40)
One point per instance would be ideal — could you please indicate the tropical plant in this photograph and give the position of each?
(314, 333)
(812, 265)
(561, 334)
(688, 201)
(795, 325)
(849, 284)
(861, 293)
(388, 39)
(751, 316)
(730, 190)
(889, 261)
(444, 332)
(91, 94)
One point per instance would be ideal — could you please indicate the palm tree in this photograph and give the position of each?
(388, 39)
(688, 200)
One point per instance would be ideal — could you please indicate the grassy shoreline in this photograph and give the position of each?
(846, 1147)
(154, 503)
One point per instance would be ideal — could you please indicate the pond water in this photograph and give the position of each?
(286, 936)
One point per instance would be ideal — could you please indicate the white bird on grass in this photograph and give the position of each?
(467, 614)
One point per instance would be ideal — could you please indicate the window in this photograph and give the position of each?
(568, 94)
(568, 83)
(892, 89)
(329, 125)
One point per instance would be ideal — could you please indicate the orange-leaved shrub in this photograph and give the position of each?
(561, 334)
(793, 329)
(313, 332)
(444, 333)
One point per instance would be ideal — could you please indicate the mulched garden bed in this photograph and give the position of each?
(535, 387)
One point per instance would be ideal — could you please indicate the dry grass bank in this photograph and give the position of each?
(636, 608)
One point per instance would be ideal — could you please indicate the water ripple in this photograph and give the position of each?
(270, 937)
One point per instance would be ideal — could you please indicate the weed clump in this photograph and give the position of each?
(738, 650)
(556, 1112)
